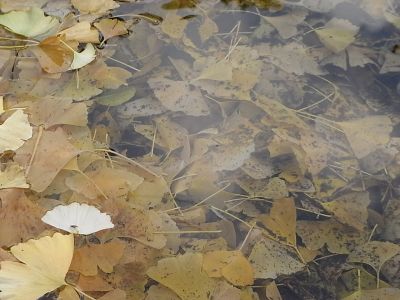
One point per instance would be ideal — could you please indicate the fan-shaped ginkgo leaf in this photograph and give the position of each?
(15, 131)
(78, 218)
(44, 264)
(30, 23)
(83, 58)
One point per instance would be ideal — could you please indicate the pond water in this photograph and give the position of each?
(244, 149)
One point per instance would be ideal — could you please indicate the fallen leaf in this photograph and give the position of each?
(174, 26)
(104, 256)
(350, 209)
(281, 220)
(225, 264)
(381, 294)
(55, 111)
(15, 131)
(180, 272)
(179, 96)
(207, 29)
(53, 152)
(337, 34)
(271, 259)
(94, 6)
(374, 253)
(13, 176)
(111, 27)
(53, 54)
(338, 237)
(81, 32)
(30, 23)
(367, 134)
(19, 218)
(78, 218)
(44, 264)
(286, 25)
(83, 58)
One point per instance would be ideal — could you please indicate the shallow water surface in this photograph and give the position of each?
(243, 149)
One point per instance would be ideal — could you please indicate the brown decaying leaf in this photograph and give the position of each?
(105, 256)
(111, 27)
(53, 54)
(52, 153)
(19, 218)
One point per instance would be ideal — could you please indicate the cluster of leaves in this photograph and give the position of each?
(234, 164)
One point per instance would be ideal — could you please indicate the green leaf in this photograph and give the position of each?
(117, 97)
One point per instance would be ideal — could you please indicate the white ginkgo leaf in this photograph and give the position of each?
(78, 218)
(83, 58)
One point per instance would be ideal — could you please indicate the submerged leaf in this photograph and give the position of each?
(271, 259)
(337, 34)
(374, 253)
(184, 275)
(226, 264)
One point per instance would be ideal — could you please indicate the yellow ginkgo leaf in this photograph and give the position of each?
(14, 131)
(337, 34)
(44, 264)
(30, 23)
(83, 58)
(13, 177)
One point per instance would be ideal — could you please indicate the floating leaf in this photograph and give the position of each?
(55, 111)
(78, 218)
(53, 54)
(111, 27)
(94, 6)
(30, 23)
(19, 218)
(44, 264)
(81, 32)
(105, 256)
(15, 131)
(13, 176)
(83, 58)
(53, 152)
